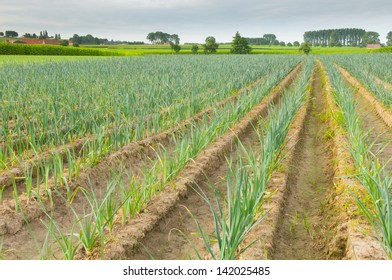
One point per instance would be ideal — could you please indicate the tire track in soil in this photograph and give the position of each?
(302, 231)
(167, 240)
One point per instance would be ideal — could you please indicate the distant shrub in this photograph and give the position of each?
(384, 50)
(64, 43)
(16, 49)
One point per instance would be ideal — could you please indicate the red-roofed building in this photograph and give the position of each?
(373, 46)
(37, 41)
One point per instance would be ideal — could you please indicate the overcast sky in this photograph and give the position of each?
(193, 21)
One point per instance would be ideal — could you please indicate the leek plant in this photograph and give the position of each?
(67, 241)
(251, 175)
(371, 172)
(367, 68)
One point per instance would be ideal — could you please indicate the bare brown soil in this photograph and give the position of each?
(303, 231)
(263, 234)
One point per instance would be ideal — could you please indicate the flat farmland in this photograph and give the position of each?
(196, 157)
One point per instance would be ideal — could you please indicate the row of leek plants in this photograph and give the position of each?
(52, 172)
(248, 178)
(366, 68)
(54, 103)
(126, 199)
(372, 173)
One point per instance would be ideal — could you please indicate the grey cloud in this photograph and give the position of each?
(193, 20)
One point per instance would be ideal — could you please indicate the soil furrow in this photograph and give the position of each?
(378, 123)
(303, 230)
(383, 112)
(134, 158)
(163, 220)
(77, 145)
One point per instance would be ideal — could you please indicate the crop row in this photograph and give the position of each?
(374, 71)
(138, 190)
(56, 103)
(371, 172)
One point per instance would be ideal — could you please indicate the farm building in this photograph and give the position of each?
(373, 46)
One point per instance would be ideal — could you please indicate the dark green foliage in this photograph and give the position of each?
(240, 45)
(195, 48)
(305, 47)
(270, 38)
(1, 34)
(64, 43)
(371, 37)
(43, 35)
(389, 38)
(175, 47)
(281, 43)
(10, 33)
(210, 46)
(296, 44)
(159, 37)
(88, 40)
(332, 37)
(25, 49)
(257, 41)
(289, 44)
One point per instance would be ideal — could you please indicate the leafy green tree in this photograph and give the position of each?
(257, 41)
(270, 38)
(240, 45)
(76, 45)
(389, 38)
(195, 48)
(305, 47)
(210, 46)
(76, 39)
(371, 37)
(1, 34)
(175, 47)
(282, 43)
(64, 43)
(289, 44)
(296, 44)
(174, 38)
(151, 37)
(10, 33)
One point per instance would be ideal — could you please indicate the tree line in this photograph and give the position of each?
(327, 37)
(342, 37)
(270, 40)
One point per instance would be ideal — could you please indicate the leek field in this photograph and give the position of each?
(196, 156)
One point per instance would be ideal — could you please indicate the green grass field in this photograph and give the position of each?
(225, 49)
(138, 50)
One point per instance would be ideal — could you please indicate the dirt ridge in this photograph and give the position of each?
(128, 237)
(350, 236)
(384, 113)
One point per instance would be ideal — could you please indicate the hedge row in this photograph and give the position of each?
(385, 50)
(24, 49)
